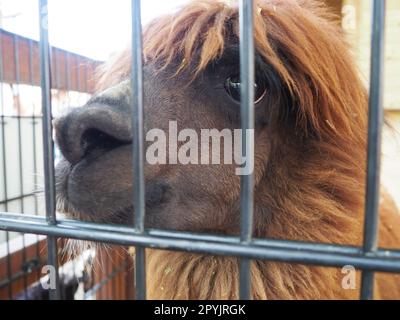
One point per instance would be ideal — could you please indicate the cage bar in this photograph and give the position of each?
(48, 145)
(20, 165)
(274, 243)
(368, 258)
(3, 123)
(375, 123)
(34, 153)
(247, 123)
(274, 250)
(138, 148)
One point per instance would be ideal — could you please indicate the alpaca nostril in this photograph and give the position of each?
(94, 139)
(89, 128)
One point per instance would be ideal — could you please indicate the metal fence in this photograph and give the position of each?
(22, 256)
(369, 258)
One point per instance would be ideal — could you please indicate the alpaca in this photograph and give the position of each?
(310, 149)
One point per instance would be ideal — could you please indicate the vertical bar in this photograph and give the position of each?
(34, 153)
(247, 123)
(138, 148)
(113, 280)
(20, 161)
(48, 145)
(375, 123)
(3, 131)
(57, 79)
(92, 275)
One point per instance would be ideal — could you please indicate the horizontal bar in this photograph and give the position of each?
(274, 250)
(275, 243)
(24, 196)
(16, 276)
(8, 282)
(294, 245)
(5, 117)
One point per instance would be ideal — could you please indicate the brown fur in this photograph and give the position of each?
(315, 188)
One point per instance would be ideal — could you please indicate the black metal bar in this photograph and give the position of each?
(24, 196)
(34, 153)
(20, 160)
(247, 123)
(48, 145)
(17, 275)
(67, 88)
(103, 282)
(15, 117)
(86, 90)
(138, 148)
(17, 81)
(375, 123)
(290, 252)
(368, 258)
(278, 244)
(5, 181)
(9, 268)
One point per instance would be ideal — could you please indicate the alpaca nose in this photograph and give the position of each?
(93, 127)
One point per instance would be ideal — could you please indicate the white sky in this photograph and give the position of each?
(94, 28)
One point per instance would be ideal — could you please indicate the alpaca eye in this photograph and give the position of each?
(232, 87)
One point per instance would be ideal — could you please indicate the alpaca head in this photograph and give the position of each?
(310, 120)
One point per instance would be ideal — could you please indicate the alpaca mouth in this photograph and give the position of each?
(120, 217)
(83, 193)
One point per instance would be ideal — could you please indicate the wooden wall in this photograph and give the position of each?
(70, 71)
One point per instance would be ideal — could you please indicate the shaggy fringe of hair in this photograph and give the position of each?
(314, 191)
(287, 34)
(174, 275)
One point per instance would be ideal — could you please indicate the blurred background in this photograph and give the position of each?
(83, 34)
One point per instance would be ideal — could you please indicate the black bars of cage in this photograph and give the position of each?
(375, 123)
(20, 160)
(306, 253)
(368, 258)
(48, 144)
(34, 153)
(138, 147)
(3, 132)
(247, 125)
